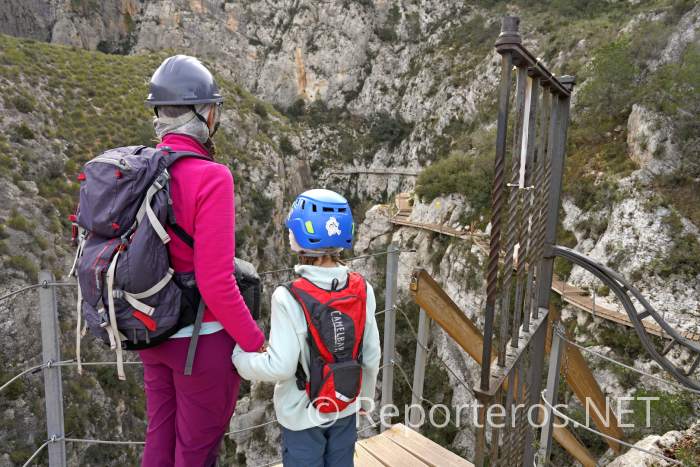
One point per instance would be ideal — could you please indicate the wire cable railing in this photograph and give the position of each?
(38, 451)
(429, 351)
(72, 363)
(578, 424)
(36, 286)
(417, 395)
(623, 365)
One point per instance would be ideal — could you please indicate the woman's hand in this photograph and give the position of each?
(263, 348)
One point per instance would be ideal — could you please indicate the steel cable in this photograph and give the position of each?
(36, 286)
(429, 351)
(596, 432)
(38, 451)
(641, 372)
(16, 377)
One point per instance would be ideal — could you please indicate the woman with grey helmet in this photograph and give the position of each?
(188, 415)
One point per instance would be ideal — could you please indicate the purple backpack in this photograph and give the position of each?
(128, 293)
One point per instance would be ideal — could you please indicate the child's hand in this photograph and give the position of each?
(263, 348)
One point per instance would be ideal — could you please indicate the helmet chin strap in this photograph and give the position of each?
(200, 117)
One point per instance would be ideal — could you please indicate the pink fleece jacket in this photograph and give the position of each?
(202, 193)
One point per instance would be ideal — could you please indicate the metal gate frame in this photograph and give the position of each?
(519, 276)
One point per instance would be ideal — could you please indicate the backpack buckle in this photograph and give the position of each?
(162, 179)
(104, 322)
(301, 378)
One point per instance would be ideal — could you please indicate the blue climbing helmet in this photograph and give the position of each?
(321, 219)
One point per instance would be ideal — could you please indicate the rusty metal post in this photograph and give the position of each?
(509, 31)
(559, 121)
(514, 205)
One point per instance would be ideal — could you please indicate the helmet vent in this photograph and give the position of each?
(342, 209)
(313, 207)
(327, 209)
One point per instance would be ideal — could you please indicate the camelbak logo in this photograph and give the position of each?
(333, 227)
(338, 331)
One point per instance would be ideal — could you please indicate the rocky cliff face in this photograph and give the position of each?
(355, 85)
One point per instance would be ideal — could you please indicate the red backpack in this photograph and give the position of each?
(335, 321)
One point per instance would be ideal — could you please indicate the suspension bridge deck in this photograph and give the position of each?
(570, 293)
(377, 171)
(402, 447)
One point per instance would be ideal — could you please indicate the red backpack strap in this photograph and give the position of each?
(358, 286)
(301, 377)
(296, 287)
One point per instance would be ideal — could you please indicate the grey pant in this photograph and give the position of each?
(329, 446)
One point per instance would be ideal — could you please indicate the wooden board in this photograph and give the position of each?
(432, 298)
(389, 453)
(578, 298)
(429, 452)
(429, 295)
(569, 293)
(581, 380)
(364, 459)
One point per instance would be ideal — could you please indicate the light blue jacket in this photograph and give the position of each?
(287, 346)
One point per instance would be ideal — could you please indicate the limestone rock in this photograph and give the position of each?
(649, 140)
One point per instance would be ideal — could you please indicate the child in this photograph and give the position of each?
(324, 347)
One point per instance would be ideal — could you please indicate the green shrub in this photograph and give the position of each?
(388, 129)
(286, 146)
(670, 412)
(622, 340)
(262, 207)
(683, 256)
(297, 109)
(18, 222)
(387, 32)
(23, 103)
(259, 108)
(469, 175)
(22, 132)
(25, 265)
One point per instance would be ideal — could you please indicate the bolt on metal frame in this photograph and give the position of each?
(520, 263)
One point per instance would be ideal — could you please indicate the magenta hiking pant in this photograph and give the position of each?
(188, 415)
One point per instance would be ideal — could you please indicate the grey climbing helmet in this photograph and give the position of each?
(182, 80)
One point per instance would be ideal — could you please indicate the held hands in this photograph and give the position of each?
(263, 348)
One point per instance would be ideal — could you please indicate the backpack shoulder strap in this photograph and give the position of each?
(174, 156)
(300, 374)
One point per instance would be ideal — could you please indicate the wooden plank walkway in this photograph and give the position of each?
(376, 171)
(400, 446)
(573, 295)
